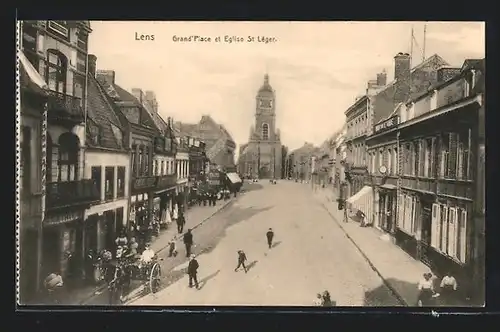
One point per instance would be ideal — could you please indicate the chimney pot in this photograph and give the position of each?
(402, 73)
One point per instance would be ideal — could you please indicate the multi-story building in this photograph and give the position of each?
(182, 167)
(381, 101)
(302, 161)
(440, 174)
(142, 132)
(57, 50)
(32, 132)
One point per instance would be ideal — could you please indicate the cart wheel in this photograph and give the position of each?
(154, 278)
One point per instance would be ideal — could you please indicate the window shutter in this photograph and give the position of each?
(463, 236)
(452, 234)
(452, 159)
(444, 237)
(421, 157)
(434, 225)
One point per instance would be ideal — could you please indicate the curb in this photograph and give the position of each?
(103, 287)
(394, 292)
(131, 297)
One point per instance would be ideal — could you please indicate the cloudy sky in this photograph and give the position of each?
(316, 68)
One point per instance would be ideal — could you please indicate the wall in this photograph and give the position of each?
(103, 159)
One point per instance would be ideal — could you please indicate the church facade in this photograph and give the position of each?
(262, 155)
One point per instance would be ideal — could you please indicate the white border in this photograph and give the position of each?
(18, 164)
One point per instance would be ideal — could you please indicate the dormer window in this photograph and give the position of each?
(82, 40)
(60, 28)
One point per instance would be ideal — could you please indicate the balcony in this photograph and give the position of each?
(166, 181)
(144, 184)
(65, 107)
(72, 193)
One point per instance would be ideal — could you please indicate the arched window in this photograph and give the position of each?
(265, 131)
(56, 71)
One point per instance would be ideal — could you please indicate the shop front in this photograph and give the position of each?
(387, 200)
(164, 198)
(141, 208)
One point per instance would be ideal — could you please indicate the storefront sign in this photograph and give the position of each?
(389, 123)
(61, 218)
(144, 183)
(166, 182)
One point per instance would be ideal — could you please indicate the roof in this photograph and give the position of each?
(101, 114)
(186, 129)
(266, 87)
(473, 64)
(424, 63)
(124, 95)
(394, 112)
(29, 76)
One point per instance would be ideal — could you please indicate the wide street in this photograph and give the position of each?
(311, 254)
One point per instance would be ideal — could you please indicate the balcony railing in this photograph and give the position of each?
(72, 193)
(144, 183)
(62, 106)
(166, 181)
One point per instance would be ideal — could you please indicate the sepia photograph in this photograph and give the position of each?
(310, 164)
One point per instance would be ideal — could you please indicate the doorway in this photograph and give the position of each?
(389, 213)
(426, 222)
(51, 251)
(110, 226)
(91, 233)
(119, 221)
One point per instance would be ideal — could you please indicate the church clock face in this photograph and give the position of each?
(266, 103)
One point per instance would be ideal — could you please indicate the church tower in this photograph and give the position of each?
(265, 115)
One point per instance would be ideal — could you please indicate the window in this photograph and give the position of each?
(395, 164)
(147, 158)
(25, 156)
(429, 157)
(78, 88)
(463, 162)
(373, 162)
(56, 71)
(59, 27)
(134, 159)
(120, 182)
(389, 161)
(265, 131)
(83, 38)
(416, 158)
(96, 176)
(380, 158)
(408, 214)
(68, 157)
(109, 184)
(407, 159)
(163, 171)
(155, 167)
(445, 152)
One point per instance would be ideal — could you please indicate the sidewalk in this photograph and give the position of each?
(195, 216)
(399, 271)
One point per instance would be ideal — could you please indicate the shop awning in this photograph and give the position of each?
(360, 194)
(29, 76)
(233, 177)
(388, 186)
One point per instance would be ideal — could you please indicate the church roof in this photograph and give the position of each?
(266, 87)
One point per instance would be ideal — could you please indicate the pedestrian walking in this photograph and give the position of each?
(448, 289)
(242, 257)
(346, 218)
(188, 242)
(175, 213)
(214, 199)
(172, 248)
(181, 221)
(270, 236)
(193, 271)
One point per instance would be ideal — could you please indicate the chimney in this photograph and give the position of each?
(106, 75)
(382, 78)
(92, 65)
(444, 74)
(137, 94)
(402, 70)
(151, 98)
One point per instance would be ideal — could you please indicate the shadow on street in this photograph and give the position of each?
(381, 296)
(251, 265)
(204, 281)
(275, 244)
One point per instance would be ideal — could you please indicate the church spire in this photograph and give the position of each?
(266, 79)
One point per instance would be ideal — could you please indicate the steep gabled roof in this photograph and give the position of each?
(102, 117)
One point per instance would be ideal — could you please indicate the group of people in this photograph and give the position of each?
(324, 300)
(427, 292)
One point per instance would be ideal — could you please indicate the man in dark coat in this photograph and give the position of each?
(188, 242)
(181, 221)
(193, 271)
(214, 198)
(270, 236)
(242, 257)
